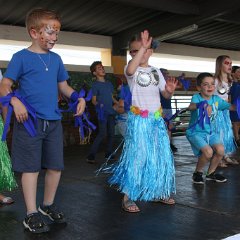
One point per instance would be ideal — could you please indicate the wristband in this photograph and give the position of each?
(74, 96)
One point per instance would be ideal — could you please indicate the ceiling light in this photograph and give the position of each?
(178, 33)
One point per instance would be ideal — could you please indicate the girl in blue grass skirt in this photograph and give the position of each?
(145, 170)
(223, 123)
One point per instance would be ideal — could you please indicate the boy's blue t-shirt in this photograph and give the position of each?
(217, 104)
(38, 86)
(103, 92)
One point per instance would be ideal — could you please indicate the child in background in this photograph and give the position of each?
(103, 100)
(223, 125)
(167, 109)
(234, 94)
(206, 143)
(7, 180)
(145, 170)
(40, 74)
(124, 103)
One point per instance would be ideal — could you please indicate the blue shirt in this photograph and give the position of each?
(126, 95)
(165, 103)
(217, 104)
(103, 92)
(38, 86)
(234, 92)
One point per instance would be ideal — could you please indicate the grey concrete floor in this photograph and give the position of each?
(93, 209)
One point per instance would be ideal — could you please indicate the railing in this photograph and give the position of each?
(181, 121)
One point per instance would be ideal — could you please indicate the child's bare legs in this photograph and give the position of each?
(128, 205)
(206, 155)
(52, 179)
(219, 153)
(236, 127)
(29, 186)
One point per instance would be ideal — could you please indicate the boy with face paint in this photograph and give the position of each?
(41, 75)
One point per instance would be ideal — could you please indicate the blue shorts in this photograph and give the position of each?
(31, 154)
(200, 140)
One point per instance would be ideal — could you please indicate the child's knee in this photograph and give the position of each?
(208, 152)
(219, 150)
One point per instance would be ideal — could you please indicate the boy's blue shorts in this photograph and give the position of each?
(200, 140)
(31, 154)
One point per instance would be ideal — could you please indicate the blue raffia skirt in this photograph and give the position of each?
(145, 170)
(223, 126)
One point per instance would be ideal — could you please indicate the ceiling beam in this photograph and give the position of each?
(173, 6)
(157, 27)
(167, 23)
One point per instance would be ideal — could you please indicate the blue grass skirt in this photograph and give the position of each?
(223, 126)
(145, 170)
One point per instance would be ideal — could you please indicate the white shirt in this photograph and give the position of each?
(144, 85)
(222, 88)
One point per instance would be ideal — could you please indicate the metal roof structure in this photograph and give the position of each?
(216, 22)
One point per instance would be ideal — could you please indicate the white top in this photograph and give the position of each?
(144, 85)
(221, 90)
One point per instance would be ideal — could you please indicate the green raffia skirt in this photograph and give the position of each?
(7, 179)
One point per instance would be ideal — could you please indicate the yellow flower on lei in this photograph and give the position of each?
(135, 110)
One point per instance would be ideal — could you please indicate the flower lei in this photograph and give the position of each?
(144, 113)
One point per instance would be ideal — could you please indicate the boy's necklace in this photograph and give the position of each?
(46, 65)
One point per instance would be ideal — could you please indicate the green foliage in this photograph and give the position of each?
(80, 80)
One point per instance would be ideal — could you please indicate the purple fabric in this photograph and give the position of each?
(80, 121)
(238, 106)
(127, 97)
(185, 82)
(29, 124)
(203, 115)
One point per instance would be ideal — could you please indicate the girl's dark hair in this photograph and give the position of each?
(201, 76)
(235, 68)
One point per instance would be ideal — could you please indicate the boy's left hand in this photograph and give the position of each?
(171, 85)
(80, 107)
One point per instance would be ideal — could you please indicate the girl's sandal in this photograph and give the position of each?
(231, 161)
(222, 164)
(169, 201)
(130, 206)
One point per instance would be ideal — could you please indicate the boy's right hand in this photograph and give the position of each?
(209, 110)
(19, 110)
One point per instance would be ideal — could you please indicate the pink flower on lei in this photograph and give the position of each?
(144, 113)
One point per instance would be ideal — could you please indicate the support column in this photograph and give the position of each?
(118, 63)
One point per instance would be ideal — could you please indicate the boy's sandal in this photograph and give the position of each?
(232, 161)
(130, 206)
(169, 201)
(6, 201)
